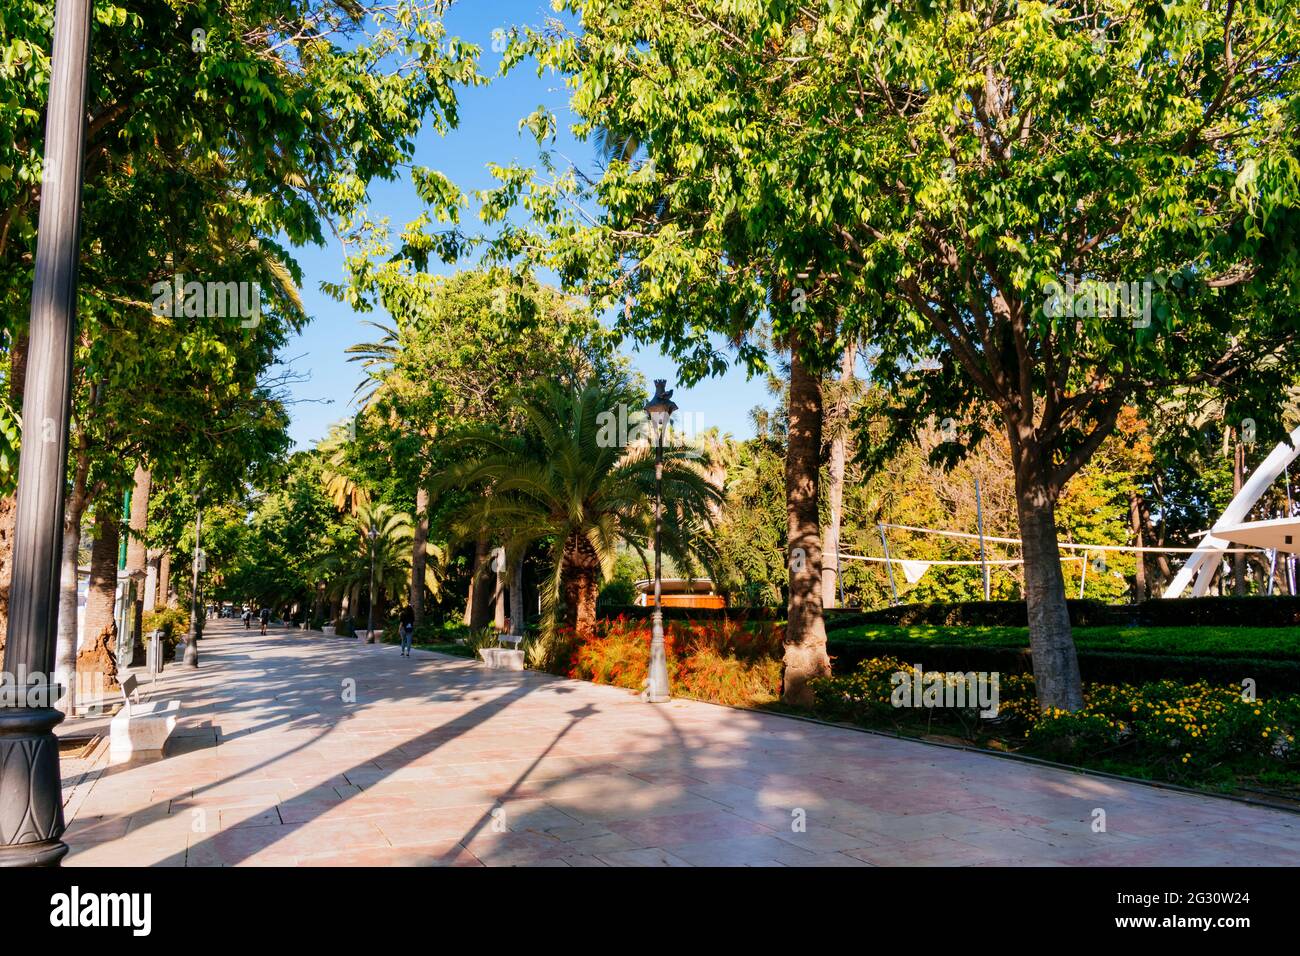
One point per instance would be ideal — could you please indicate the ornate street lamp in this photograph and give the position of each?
(372, 534)
(31, 794)
(660, 409)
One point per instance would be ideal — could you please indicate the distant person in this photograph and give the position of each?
(248, 618)
(407, 623)
(266, 618)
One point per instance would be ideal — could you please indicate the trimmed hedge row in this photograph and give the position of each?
(1271, 676)
(1281, 611)
(1086, 613)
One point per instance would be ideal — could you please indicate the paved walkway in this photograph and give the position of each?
(442, 762)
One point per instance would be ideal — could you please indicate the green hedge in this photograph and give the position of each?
(1270, 676)
(1281, 611)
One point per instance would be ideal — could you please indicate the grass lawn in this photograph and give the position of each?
(1262, 642)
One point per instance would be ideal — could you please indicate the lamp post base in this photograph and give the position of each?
(31, 789)
(656, 691)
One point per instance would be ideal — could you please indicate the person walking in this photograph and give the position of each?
(407, 625)
(266, 618)
(248, 617)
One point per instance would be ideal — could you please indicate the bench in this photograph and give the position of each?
(503, 658)
(140, 729)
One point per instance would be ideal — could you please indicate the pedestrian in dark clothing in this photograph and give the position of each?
(407, 624)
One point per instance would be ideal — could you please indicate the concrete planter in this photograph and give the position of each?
(328, 630)
(499, 658)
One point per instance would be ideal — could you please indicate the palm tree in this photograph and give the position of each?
(561, 485)
(341, 489)
(377, 360)
(382, 542)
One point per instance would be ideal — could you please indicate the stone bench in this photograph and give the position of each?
(501, 658)
(140, 730)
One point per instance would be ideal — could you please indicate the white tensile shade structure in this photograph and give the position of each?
(1280, 534)
(1204, 561)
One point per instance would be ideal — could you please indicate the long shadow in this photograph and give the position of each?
(428, 742)
(578, 715)
(290, 694)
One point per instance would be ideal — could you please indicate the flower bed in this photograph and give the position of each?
(719, 661)
(1191, 733)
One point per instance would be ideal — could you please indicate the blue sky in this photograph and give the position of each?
(488, 132)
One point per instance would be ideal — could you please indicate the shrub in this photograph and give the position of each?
(1259, 611)
(1165, 728)
(723, 662)
(174, 624)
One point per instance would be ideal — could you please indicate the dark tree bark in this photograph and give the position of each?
(579, 581)
(805, 638)
(1238, 559)
(1056, 664)
(100, 625)
(517, 597)
(1140, 564)
(137, 558)
(9, 504)
(419, 554)
(478, 602)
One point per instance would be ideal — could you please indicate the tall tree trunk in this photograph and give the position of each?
(479, 599)
(9, 504)
(1140, 562)
(419, 554)
(65, 654)
(1056, 663)
(8, 513)
(1238, 559)
(499, 594)
(165, 596)
(805, 637)
(835, 493)
(152, 562)
(137, 556)
(99, 647)
(517, 596)
(579, 582)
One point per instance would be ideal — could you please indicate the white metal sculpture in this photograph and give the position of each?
(1204, 561)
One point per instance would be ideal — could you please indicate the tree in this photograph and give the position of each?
(458, 346)
(570, 484)
(271, 126)
(712, 227)
(1057, 211)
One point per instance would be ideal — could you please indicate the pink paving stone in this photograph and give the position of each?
(589, 775)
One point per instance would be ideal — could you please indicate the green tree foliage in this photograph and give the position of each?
(562, 484)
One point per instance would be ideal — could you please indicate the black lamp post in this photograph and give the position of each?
(372, 534)
(660, 408)
(31, 795)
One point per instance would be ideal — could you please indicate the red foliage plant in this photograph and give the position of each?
(719, 661)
